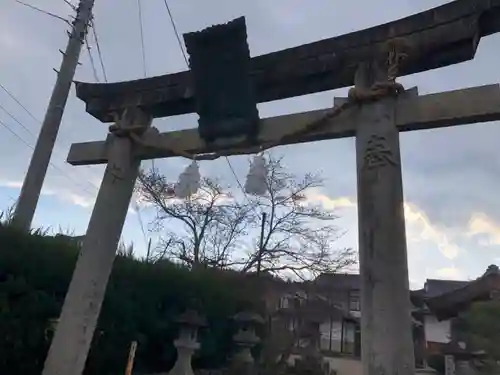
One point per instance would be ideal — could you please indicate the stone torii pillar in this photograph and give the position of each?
(71, 343)
(386, 328)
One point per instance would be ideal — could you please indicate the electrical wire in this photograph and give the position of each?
(42, 11)
(64, 174)
(24, 126)
(177, 35)
(141, 29)
(19, 103)
(135, 204)
(99, 53)
(91, 58)
(143, 50)
(17, 121)
(31, 133)
(21, 139)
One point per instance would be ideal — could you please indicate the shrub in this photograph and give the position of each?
(141, 303)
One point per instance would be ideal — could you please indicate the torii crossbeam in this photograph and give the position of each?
(446, 35)
(459, 107)
(442, 36)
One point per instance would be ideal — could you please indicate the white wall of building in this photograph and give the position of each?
(437, 331)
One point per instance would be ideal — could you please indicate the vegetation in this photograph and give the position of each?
(222, 244)
(480, 327)
(141, 303)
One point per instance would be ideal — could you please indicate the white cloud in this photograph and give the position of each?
(419, 227)
(66, 195)
(418, 223)
(481, 225)
(315, 196)
(449, 273)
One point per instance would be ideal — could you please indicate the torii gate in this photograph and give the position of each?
(439, 37)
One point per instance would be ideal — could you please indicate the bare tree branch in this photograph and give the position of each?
(212, 221)
(298, 235)
(217, 231)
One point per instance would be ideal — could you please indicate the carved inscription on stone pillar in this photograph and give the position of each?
(377, 153)
(116, 172)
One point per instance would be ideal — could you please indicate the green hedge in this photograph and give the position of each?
(141, 303)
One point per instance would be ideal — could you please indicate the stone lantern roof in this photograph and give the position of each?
(248, 317)
(191, 318)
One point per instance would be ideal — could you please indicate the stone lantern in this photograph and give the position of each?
(187, 343)
(246, 337)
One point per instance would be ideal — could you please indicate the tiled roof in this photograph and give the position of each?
(435, 287)
(346, 281)
(447, 304)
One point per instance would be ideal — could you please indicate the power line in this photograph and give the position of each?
(64, 174)
(24, 126)
(42, 11)
(17, 121)
(177, 35)
(20, 104)
(91, 58)
(99, 53)
(37, 169)
(13, 97)
(15, 134)
(143, 49)
(96, 40)
(237, 180)
(141, 28)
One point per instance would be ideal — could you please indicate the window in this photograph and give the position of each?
(338, 336)
(284, 302)
(348, 337)
(325, 333)
(354, 301)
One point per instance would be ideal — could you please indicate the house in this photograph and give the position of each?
(323, 313)
(446, 300)
(331, 306)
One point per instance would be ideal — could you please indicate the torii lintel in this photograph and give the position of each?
(442, 36)
(465, 106)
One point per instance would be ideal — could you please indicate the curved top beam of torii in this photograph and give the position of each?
(446, 35)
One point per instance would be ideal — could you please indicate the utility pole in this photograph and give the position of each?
(33, 181)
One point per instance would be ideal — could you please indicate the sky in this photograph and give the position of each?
(450, 175)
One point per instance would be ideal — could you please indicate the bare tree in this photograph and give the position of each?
(298, 235)
(212, 221)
